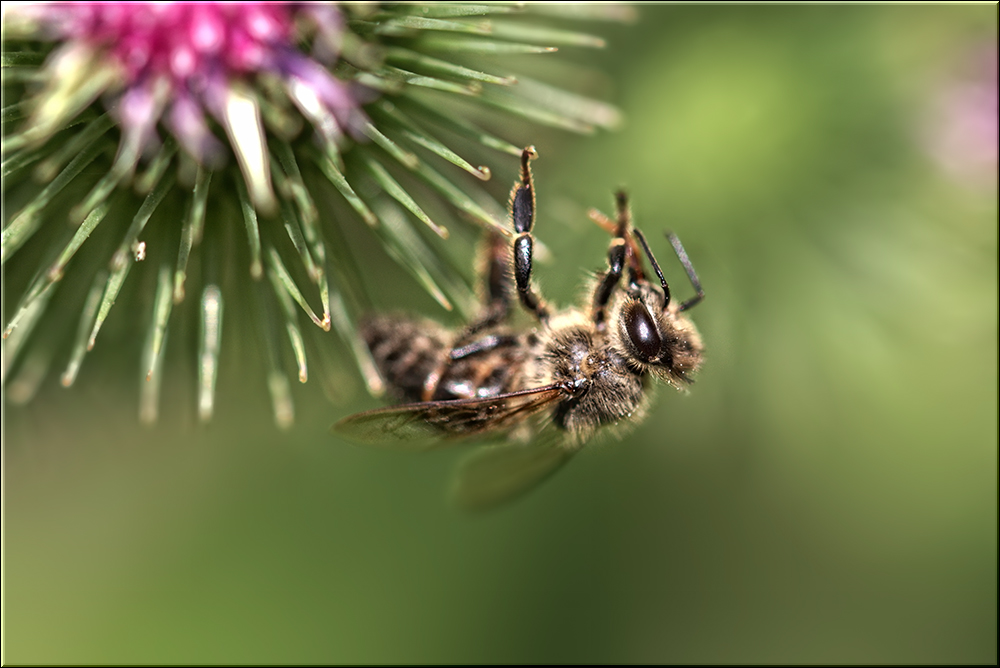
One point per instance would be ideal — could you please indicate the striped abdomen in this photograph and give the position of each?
(407, 352)
(420, 361)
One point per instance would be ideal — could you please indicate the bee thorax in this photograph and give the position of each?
(601, 388)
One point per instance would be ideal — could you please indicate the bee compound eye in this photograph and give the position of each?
(642, 331)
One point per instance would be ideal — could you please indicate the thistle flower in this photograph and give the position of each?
(121, 122)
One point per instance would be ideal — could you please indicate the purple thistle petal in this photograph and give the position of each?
(189, 58)
(334, 94)
(138, 108)
(206, 30)
(305, 98)
(187, 122)
(138, 112)
(266, 23)
(329, 24)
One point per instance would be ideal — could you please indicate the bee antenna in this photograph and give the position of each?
(689, 268)
(656, 267)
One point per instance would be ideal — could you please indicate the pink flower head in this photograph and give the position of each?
(180, 60)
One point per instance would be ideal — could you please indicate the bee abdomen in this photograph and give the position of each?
(406, 352)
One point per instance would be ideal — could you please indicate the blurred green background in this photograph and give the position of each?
(826, 493)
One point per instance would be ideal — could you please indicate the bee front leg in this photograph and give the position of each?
(618, 253)
(602, 295)
(523, 215)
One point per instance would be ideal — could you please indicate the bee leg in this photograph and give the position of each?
(602, 295)
(523, 215)
(689, 268)
(498, 273)
(618, 253)
(495, 268)
(483, 345)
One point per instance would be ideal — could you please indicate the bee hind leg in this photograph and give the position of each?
(522, 205)
(501, 259)
(495, 269)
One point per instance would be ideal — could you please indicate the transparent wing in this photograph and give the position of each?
(496, 474)
(417, 426)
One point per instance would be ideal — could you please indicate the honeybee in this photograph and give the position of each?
(543, 392)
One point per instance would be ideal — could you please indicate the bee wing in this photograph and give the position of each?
(411, 426)
(495, 474)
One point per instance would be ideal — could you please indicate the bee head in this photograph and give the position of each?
(652, 328)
